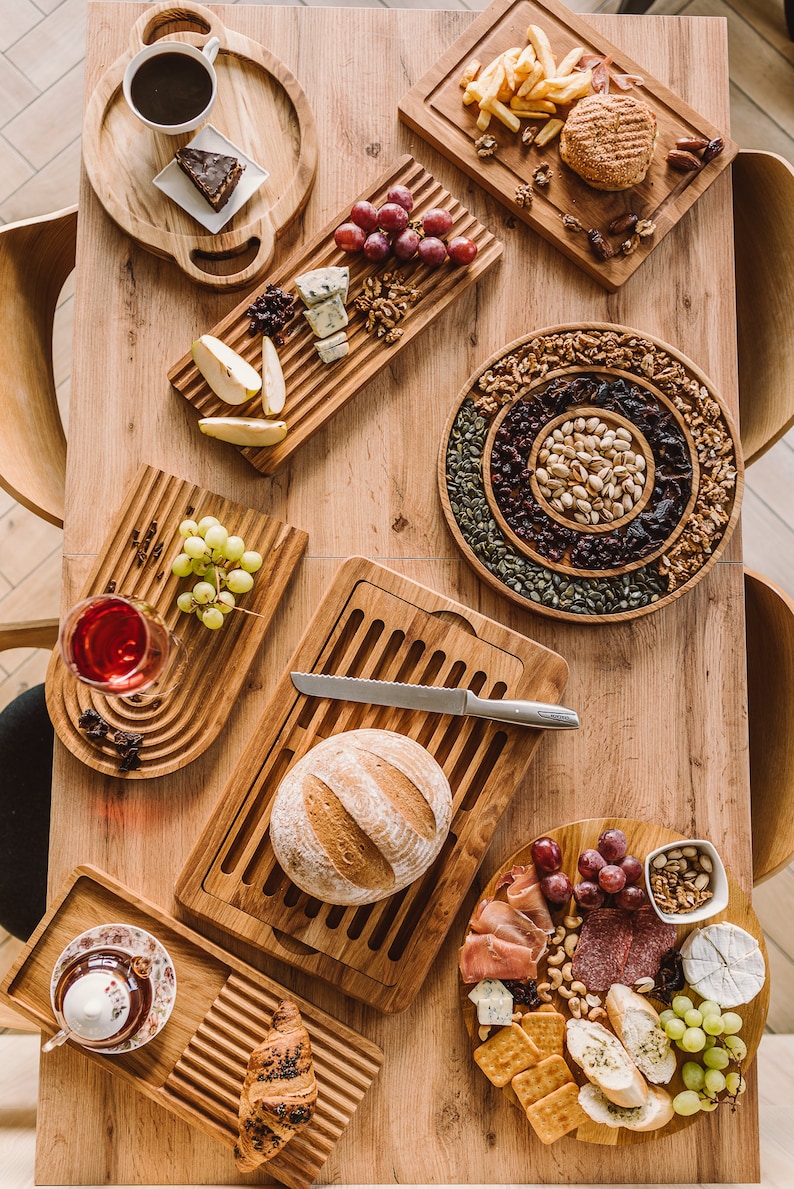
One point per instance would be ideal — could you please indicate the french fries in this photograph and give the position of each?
(525, 82)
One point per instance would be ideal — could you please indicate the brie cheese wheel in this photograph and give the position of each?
(724, 963)
(327, 317)
(320, 283)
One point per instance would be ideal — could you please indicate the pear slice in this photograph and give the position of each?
(244, 431)
(229, 375)
(274, 390)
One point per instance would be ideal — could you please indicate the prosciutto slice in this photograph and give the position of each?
(483, 955)
(503, 921)
(523, 893)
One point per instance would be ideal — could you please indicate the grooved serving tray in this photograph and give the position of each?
(186, 721)
(373, 623)
(435, 110)
(196, 1065)
(260, 107)
(316, 390)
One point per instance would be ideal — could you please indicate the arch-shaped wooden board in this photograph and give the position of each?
(260, 107)
(642, 838)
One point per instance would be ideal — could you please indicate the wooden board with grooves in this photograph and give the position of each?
(434, 109)
(642, 838)
(196, 1065)
(373, 623)
(187, 720)
(316, 390)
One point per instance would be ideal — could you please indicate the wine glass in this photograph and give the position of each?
(121, 646)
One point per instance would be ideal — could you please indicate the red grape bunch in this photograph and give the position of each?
(554, 884)
(381, 231)
(609, 870)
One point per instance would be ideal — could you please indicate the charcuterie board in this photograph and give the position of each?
(642, 838)
(373, 623)
(316, 391)
(555, 399)
(195, 1066)
(122, 156)
(434, 108)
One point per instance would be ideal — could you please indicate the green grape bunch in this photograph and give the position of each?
(713, 1033)
(223, 565)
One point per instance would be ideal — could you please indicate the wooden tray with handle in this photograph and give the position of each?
(373, 623)
(260, 107)
(138, 560)
(316, 391)
(196, 1065)
(434, 109)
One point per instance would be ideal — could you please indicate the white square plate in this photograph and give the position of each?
(179, 188)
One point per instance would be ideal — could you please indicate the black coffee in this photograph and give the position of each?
(171, 89)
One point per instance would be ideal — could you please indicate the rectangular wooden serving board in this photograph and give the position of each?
(196, 1065)
(316, 390)
(373, 623)
(187, 720)
(434, 109)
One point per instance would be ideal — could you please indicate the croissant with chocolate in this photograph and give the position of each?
(279, 1091)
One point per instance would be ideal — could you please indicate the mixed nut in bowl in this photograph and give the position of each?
(686, 881)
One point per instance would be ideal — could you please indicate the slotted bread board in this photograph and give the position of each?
(184, 723)
(373, 623)
(196, 1065)
(435, 110)
(316, 391)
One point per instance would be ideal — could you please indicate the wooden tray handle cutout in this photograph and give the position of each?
(169, 21)
(204, 265)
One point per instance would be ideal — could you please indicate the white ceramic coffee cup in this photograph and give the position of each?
(206, 56)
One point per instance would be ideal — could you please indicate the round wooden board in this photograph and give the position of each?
(260, 107)
(566, 351)
(642, 837)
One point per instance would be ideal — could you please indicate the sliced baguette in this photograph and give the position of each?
(636, 1023)
(654, 1113)
(606, 1062)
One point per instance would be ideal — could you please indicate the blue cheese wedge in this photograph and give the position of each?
(328, 317)
(334, 347)
(493, 1001)
(724, 963)
(321, 283)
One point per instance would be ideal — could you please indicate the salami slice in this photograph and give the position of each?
(604, 945)
(650, 939)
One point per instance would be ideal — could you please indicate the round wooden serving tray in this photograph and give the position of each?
(260, 107)
(546, 561)
(642, 837)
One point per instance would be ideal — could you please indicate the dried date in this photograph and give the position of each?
(683, 161)
(601, 248)
(692, 144)
(623, 223)
(713, 149)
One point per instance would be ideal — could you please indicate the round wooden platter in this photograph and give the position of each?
(260, 107)
(517, 568)
(642, 838)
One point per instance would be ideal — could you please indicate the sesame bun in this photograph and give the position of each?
(609, 140)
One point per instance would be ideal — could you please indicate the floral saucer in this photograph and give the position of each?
(134, 941)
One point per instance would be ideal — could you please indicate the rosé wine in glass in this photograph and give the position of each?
(117, 645)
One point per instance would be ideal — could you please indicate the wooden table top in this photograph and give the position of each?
(663, 697)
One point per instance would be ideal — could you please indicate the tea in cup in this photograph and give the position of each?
(101, 999)
(171, 85)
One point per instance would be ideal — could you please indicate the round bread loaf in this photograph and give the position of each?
(609, 140)
(360, 816)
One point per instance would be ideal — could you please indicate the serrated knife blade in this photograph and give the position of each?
(438, 699)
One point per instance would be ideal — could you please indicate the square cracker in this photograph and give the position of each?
(557, 1113)
(505, 1054)
(547, 1030)
(540, 1080)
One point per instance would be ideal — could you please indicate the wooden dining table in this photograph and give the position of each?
(662, 698)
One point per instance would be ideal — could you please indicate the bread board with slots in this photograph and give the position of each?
(434, 109)
(316, 390)
(196, 1065)
(642, 838)
(122, 155)
(373, 623)
(187, 720)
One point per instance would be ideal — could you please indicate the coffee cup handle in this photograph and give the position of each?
(55, 1041)
(210, 50)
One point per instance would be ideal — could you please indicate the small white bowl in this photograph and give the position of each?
(718, 886)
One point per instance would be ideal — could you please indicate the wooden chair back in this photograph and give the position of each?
(770, 689)
(763, 212)
(36, 257)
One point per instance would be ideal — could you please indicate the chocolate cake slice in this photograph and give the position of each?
(213, 174)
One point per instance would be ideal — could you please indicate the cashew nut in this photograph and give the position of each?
(572, 922)
(593, 1000)
(644, 986)
(579, 988)
(484, 1031)
(566, 992)
(543, 992)
(558, 936)
(575, 1007)
(555, 978)
(567, 971)
(557, 958)
(595, 1013)
(570, 944)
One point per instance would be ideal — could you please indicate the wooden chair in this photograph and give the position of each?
(36, 257)
(770, 689)
(763, 205)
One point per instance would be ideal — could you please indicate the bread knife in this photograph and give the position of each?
(439, 699)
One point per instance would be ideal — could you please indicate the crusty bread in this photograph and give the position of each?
(656, 1111)
(636, 1023)
(609, 140)
(360, 816)
(606, 1062)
